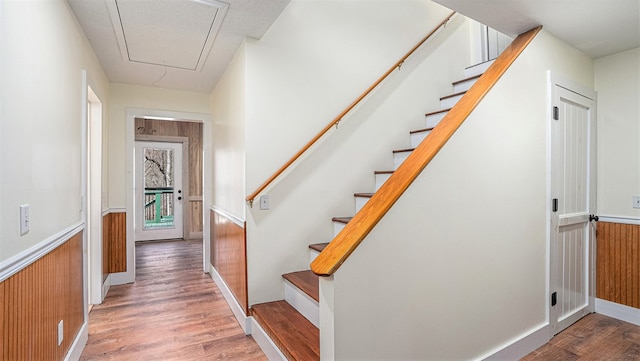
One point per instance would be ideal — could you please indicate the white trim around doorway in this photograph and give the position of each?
(131, 113)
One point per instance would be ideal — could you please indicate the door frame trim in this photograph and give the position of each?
(130, 114)
(553, 79)
(186, 210)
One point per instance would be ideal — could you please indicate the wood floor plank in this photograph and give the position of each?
(595, 337)
(173, 311)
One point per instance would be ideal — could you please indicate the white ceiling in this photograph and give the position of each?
(596, 27)
(161, 42)
(176, 44)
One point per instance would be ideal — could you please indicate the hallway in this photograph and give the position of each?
(173, 311)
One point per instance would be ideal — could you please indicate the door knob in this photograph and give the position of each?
(593, 218)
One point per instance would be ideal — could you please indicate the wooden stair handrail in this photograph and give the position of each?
(339, 249)
(250, 198)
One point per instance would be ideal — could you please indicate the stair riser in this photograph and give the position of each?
(380, 179)
(398, 158)
(360, 202)
(417, 138)
(450, 102)
(433, 119)
(304, 304)
(464, 86)
(312, 255)
(477, 69)
(337, 227)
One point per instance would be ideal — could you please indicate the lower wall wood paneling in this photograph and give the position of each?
(229, 255)
(195, 228)
(618, 263)
(34, 300)
(114, 243)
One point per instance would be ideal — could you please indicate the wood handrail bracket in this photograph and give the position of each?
(250, 198)
(339, 249)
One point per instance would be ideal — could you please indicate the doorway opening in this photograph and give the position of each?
(164, 127)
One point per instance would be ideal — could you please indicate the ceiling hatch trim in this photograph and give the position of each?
(143, 36)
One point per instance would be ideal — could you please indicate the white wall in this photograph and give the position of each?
(123, 96)
(301, 75)
(617, 81)
(228, 127)
(43, 52)
(458, 267)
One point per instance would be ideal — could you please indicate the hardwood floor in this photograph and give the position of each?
(595, 337)
(173, 311)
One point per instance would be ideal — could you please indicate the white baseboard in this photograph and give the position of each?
(521, 346)
(618, 311)
(264, 341)
(121, 278)
(105, 287)
(75, 351)
(237, 310)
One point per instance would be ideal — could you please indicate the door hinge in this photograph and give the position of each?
(554, 205)
(556, 113)
(554, 298)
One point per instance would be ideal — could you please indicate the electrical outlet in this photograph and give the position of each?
(636, 201)
(24, 219)
(60, 332)
(264, 202)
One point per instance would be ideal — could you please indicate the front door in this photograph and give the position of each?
(572, 203)
(158, 190)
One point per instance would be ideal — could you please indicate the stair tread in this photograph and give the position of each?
(420, 130)
(383, 172)
(480, 63)
(452, 95)
(319, 247)
(306, 281)
(295, 336)
(363, 195)
(466, 79)
(438, 112)
(404, 150)
(344, 220)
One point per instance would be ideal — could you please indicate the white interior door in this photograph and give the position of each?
(158, 191)
(573, 201)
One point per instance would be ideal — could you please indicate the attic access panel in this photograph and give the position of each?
(172, 33)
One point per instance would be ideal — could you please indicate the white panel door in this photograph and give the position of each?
(158, 191)
(573, 201)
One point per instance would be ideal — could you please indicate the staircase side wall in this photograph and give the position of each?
(300, 76)
(458, 267)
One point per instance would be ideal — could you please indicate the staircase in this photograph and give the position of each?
(293, 323)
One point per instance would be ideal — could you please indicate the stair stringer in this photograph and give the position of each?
(462, 254)
(320, 186)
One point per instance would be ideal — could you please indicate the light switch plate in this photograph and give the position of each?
(264, 202)
(24, 219)
(636, 201)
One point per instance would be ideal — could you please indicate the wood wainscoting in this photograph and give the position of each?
(34, 300)
(229, 255)
(618, 263)
(114, 243)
